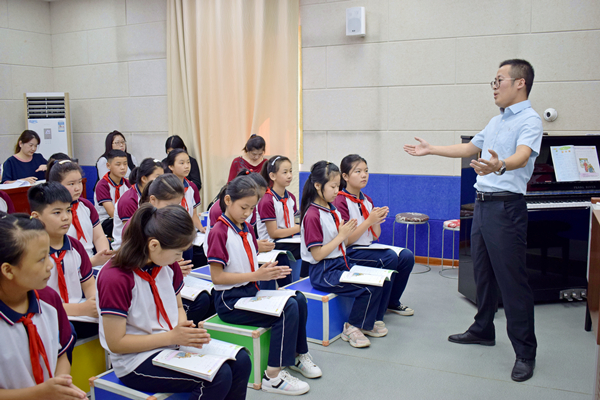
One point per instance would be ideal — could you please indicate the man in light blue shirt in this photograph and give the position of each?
(509, 145)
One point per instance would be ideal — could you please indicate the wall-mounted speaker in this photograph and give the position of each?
(355, 21)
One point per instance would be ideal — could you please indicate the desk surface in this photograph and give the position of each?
(19, 197)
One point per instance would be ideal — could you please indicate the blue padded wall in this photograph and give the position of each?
(90, 172)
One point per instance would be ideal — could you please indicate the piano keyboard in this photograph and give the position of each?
(542, 205)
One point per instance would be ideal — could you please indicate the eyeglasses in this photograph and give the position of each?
(119, 142)
(497, 82)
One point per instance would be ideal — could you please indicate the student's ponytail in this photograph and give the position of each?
(347, 165)
(256, 177)
(164, 187)
(172, 226)
(16, 231)
(321, 172)
(145, 169)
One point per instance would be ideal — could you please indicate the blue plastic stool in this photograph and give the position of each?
(107, 386)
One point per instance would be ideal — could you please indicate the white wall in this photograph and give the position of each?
(25, 63)
(424, 68)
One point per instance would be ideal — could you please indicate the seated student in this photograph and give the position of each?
(86, 223)
(252, 159)
(142, 313)
(352, 203)
(235, 273)
(6, 204)
(110, 188)
(114, 141)
(323, 237)
(178, 163)
(72, 276)
(25, 164)
(176, 142)
(34, 328)
(129, 202)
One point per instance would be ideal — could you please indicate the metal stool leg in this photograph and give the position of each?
(443, 234)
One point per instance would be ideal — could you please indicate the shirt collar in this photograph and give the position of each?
(11, 317)
(516, 108)
(361, 196)
(121, 182)
(66, 246)
(331, 209)
(234, 226)
(278, 197)
(137, 189)
(186, 183)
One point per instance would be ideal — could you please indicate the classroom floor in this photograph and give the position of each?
(416, 361)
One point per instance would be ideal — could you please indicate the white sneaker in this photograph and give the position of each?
(284, 384)
(306, 366)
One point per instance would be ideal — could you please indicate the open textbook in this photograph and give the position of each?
(270, 302)
(575, 163)
(19, 183)
(293, 239)
(379, 246)
(194, 286)
(366, 275)
(271, 256)
(203, 363)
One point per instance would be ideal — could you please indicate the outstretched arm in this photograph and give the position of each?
(454, 151)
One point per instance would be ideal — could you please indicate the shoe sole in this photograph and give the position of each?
(521, 379)
(353, 344)
(480, 342)
(371, 334)
(294, 368)
(279, 391)
(403, 313)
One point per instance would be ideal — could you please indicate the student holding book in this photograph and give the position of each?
(324, 235)
(34, 327)
(110, 188)
(86, 222)
(234, 270)
(352, 203)
(142, 313)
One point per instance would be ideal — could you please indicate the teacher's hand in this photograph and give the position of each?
(42, 167)
(484, 167)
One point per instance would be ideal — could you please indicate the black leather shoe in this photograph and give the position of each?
(469, 338)
(522, 370)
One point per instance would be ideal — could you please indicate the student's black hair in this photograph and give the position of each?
(59, 168)
(164, 187)
(170, 160)
(520, 69)
(174, 142)
(26, 136)
(47, 193)
(172, 226)
(272, 165)
(255, 142)
(238, 188)
(145, 169)
(108, 147)
(260, 181)
(346, 166)
(16, 231)
(321, 172)
(116, 153)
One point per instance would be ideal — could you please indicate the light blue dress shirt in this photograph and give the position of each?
(516, 125)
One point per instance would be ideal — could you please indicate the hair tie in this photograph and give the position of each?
(157, 161)
(247, 172)
(64, 161)
(276, 158)
(254, 134)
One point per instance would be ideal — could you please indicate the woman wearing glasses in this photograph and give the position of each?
(252, 159)
(115, 141)
(25, 164)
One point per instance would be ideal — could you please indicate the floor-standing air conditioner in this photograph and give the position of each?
(48, 115)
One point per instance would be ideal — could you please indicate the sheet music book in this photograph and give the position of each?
(194, 286)
(379, 246)
(271, 256)
(366, 275)
(203, 363)
(270, 302)
(575, 163)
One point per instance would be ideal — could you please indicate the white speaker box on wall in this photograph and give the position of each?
(355, 21)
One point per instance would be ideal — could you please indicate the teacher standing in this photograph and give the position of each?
(252, 159)
(25, 164)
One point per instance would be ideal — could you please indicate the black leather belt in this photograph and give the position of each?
(498, 196)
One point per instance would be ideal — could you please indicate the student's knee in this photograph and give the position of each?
(301, 301)
(291, 308)
(242, 366)
(406, 259)
(222, 380)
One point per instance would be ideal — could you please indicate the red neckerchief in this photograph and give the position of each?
(363, 208)
(184, 203)
(117, 187)
(76, 223)
(247, 247)
(62, 283)
(160, 308)
(286, 211)
(36, 347)
(337, 226)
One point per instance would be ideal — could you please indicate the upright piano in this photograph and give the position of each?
(558, 230)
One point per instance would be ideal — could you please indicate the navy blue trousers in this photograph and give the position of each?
(387, 259)
(498, 247)
(230, 383)
(288, 332)
(199, 309)
(282, 259)
(370, 302)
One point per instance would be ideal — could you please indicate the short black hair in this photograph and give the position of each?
(520, 69)
(255, 142)
(47, 193)
(115, 153)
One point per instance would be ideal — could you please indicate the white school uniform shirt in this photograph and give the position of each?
(349, 210)
(105, 192)
(88, 219)
(53, 327)
(76, 266)
(214, 213)
(123, 293)
(317, 229)
(191, 196)
(126, 207)
(270, 208)
(226, 247)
